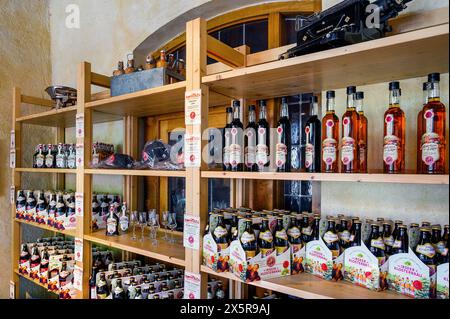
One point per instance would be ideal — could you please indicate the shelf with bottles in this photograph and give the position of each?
(131, 172)
(16, 271)
(46, 170)
(67, 232)
(363, 63)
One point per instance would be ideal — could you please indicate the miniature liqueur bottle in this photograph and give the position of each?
(426, 92)
(313, 140)
(281, 238)
(388, 238)
(119, 292)
(220, 234)
(24, 254)
(306, 229)
(355, 237)
(394, 133)
(330, 137)
(162, 59)
(123, 220)
(425, 250)
(50, 157)
(21, 203)
(40, 157)
(130, 64)
(71, 157)
(250, 141)
(401, 243)
(283, 140)
(35, 259)
(294, 234)
(248, 239)
(227, 140)
(344, 234)
(263, 139)
(102, 287)
(119, 70)
(112, 223)
(375, 243)
(433, 124)
(331, 239)
(237, 140)
(265, 239)
(363, 128)
(315, 228)
(350, 135)
(61, 158)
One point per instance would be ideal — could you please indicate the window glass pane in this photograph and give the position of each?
(232, 36)
(256, 35)
(218, 193)
(177, 187)
(290, 35)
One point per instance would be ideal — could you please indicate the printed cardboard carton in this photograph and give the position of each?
(215, 258)
(320, 263)
(442, 281)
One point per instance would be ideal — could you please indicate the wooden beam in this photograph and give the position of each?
(36, 101)
(100, 80)
(221, 52)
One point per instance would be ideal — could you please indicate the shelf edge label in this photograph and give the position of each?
(192, 285)
(192, 107)
(12, 143)
(79, 204)
(79, 125)
(191, 232)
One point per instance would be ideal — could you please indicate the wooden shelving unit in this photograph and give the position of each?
(68, 232)
(46, 170)
(130, 172)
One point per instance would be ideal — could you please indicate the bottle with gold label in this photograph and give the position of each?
(294, 234)
(234, 223)
(331, 239)
(388, 238)
(350, 135)
(248, 239)
(436, 239)
(220, 234)
(425, 250)
(306, 229)
(375, 243)
(426, 91)
(265, 239)
(281, 239)
(344, 235)
(355, 237)
(401, 243)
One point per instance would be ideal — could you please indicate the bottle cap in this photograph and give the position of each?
(262, 102)
(236, 103)
(423, 229)
(402, 226)
(229, 110)
(331, 94)
(426, 86)
(360, 95)
(395, 85)
(434, 77)
(251, 108)
(351, 90)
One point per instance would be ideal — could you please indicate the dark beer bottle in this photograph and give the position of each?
(30, 206)
(445, 235)
(227, 140)
(397, 223)
(281, 239)
(283, 140)
(313, 140)
(306, 229)
(344, 234)
(220, 234)
(388, 238)
(294, 234)
(444, 255)
(263, 139)
(35, 259)
(95, 205)
(265, 238)
(21, 203)
(355, 237)
(250, 141)
(375, 243)
(207, 227)
(71, 206)
(237, 140)
(425, 250)
(60, 206)
(248, 239)
(119, 292)
(315, 235)
(436, 239)
(41, 206)
(331, 239)
(234, 226)
(138, 294)
(92, 286)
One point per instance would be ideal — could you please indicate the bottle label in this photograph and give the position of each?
(111, 225)
(348, 148)
(250, 156)
(235, 148)
(280, 155)
(389, 241)
(220, 232)
(440, 247)
(294, 232)
(309, 155)
(261, 148)
(430, 148)
(329, 237)
(265, 251)
(307, 231)
(377, 243)
(426, 249)
(362, 152)
(123, 223)
(49, 161)
(345, 236)
(247, 237)
(266, 236)
(390, 149)
(281, 234)
(281, 249)
(71, 162)
(60, 161)
(329, 147)
(226, 149)
(40, 161)
(397, 244)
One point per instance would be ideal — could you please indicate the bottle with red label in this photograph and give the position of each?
(237, 140)
(394, 133)
(227, 140)
(426, 92)
(330, 137)
(263, 139)
(283, 140)
(313, 140)
(350, 135)
(250, 141)
(433, 124)
(363, 127)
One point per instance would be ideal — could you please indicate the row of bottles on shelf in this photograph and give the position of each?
(249, 149)
(109, 213)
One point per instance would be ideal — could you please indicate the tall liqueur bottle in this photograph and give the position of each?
(248, 239)
(375, 243)
(112, 223)
(330, 137)
(50, 161)
(394, 133)
(281, 238)
(263, 139)
(433, 124)
(425, 250)
(227, 140)
(220, 233)
(283, 139)
(426, 92)
(237, 140)
(350, 135)
(331, 239)
(363, 128)
(265, 238)
(355, 237)
(250, 141)
(313, 140)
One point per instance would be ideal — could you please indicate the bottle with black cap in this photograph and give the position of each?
(394, 133)
(350, 135)
(250, 141)
(283, 139)
(330, 136)
(433, 124)
(426, 92)
(237, 139)
(227, 140)
(363, 127)
(313, 140)
(263, 139)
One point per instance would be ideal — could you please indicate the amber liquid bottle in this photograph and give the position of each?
(394, 133)
(433, 125)
(330, 137)
(350, 136)
(426, 92)
(363, 127)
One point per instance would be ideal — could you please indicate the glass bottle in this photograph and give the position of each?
(220, 233)
(92, 285)
(331, 239)
(30, 207)
(426, 92)
(220, 293)
(250, 141)
(50, 157)
(401, 243)
(294, 234)
(35, 259)
(283, 146)
(119, 70)
(61, 208)
(313, 140)
(52, 209)
(207, 227)
(363, 145)
(355, 237)
(425, 250)
(436, 239)
(112, 223)
(281, 238)
(237, 139)
(40, 157)
(344, 235)
(63, 274)
(61, 158)
(394, 133)
(263, 139)
(306, 229)
(375, 243)
(234, 226)
(227, 140)
(315, 228)
(388, 238)
(350, 136)
(43, 269)
(265, 238)
(248, 240)
(433, 124)
(21, 203)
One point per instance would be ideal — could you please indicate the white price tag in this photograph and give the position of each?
(12, 158)
(192, 149)
(192, 106)
(79, 126)
(192, 285)
(79, 208)
(12, 144)
(191, 232)
(12, 195)
(12, 290)
(78, 278)
(78, 249)
(80, 155)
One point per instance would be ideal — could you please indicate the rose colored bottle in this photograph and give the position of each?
(363, 125)
(350, 135)
(330, 137)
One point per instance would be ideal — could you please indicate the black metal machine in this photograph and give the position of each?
(348, 22)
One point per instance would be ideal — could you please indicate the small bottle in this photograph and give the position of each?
(119, 292)
(112, 223)
(92, 285)
(426, 92)
(130, 64)
(315, 235)
(263, 139)
(138, 294)
(250, 141)
(220, 293)
(35, 259)
(70, 210)
(40, 157)
(294, 234)
(331, 239)
(220, 234)
(163, 59)
(265, 239)
(425, 250)
(375, 243)
(61, 208)
(71, 157)
(50, 157)
(237, 140)
(248, 240)
(63, 274)
(283, 139)
(234, 227)
(30, 207)
(355, 237)
(150, 63)
(207, 227)
(123, 221)
(363, 128)
(52, 209)
(313, 140)
(43, 269)
(119, 70)
(350, 135)
(281, 239)
(388, 238)
(210, 294)
(330, 136)
(306, 229)
(397, 223)
(227, 140)
(344, 235)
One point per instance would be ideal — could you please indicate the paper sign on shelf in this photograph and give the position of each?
(192, 106)
(13, 140)
(78, 249)
(192, 146)
(79, 204)
(79, 126)
(191, 232)
(12, 158)
(12, 290)
(12, 195)
(80, 155)
(192, 285)
(78, 278)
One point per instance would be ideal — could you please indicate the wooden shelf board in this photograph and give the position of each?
(34, 281)
(307, 286)
(135, 172)
(164, 251)
(365, 63)
(334, 177)
(47, 170)
(45, 227)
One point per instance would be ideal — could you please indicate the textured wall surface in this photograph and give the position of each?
(25, 62)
